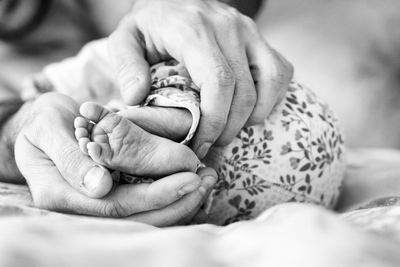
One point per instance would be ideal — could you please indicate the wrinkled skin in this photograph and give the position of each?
(223, 51)
(60, 177)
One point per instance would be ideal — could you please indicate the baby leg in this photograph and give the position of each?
(117, 143)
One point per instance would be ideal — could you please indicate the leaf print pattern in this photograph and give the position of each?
(297, 155)
(243, 209)
(311, 152)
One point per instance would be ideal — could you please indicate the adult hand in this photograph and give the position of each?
(61, 178)
(241, 77)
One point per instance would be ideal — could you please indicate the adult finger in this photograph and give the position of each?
(51, 191)
(272, 74)
(211, 72)
(185, 208)
(157, 120)
(128, 59)
(245, 97)
(52, 132)
(48, 188)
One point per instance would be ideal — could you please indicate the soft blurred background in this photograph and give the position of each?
(347, 51)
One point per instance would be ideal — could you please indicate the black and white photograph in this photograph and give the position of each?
(200, 133)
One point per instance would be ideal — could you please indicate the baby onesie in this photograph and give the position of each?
(296, 155)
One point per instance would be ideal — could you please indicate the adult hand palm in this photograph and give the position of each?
(48, 156)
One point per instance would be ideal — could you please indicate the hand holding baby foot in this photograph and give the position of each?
(171, 123)
(119, 144)
(218, 45)
(50, 161)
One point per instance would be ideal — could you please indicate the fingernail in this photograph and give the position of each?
(93, 177)
(207, 184)
(186, 189)
(199, 167)
(203, 150)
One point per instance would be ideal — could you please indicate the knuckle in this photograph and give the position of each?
(192, 17)
(277, 87)
(193, 28)
(289, 69)
(225, 76)
(284, 70)
(279, 78)
(240, 69)
(234, 13)
(249, 100)
(244, 103)
(216, 123)
(113, 209)
(230, 18)
(225, 140)
(245, 96)
(248, 22)
(158, 203)
(256, 119)
(195, 12)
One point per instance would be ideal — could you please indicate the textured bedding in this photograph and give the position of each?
(310, 235)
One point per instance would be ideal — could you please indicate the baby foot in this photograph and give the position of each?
(171, 123)
(117, 143)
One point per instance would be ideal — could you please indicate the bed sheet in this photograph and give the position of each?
(367, 229)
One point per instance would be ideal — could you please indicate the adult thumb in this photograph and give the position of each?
(132, 70)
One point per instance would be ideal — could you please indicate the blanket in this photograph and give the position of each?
(365, 233)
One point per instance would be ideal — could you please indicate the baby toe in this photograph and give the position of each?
(93, 111)
(94, 151)
(83, 145)
(80, 122)
(81, 133)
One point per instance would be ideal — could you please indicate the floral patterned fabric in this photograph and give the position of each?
(295, 156)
